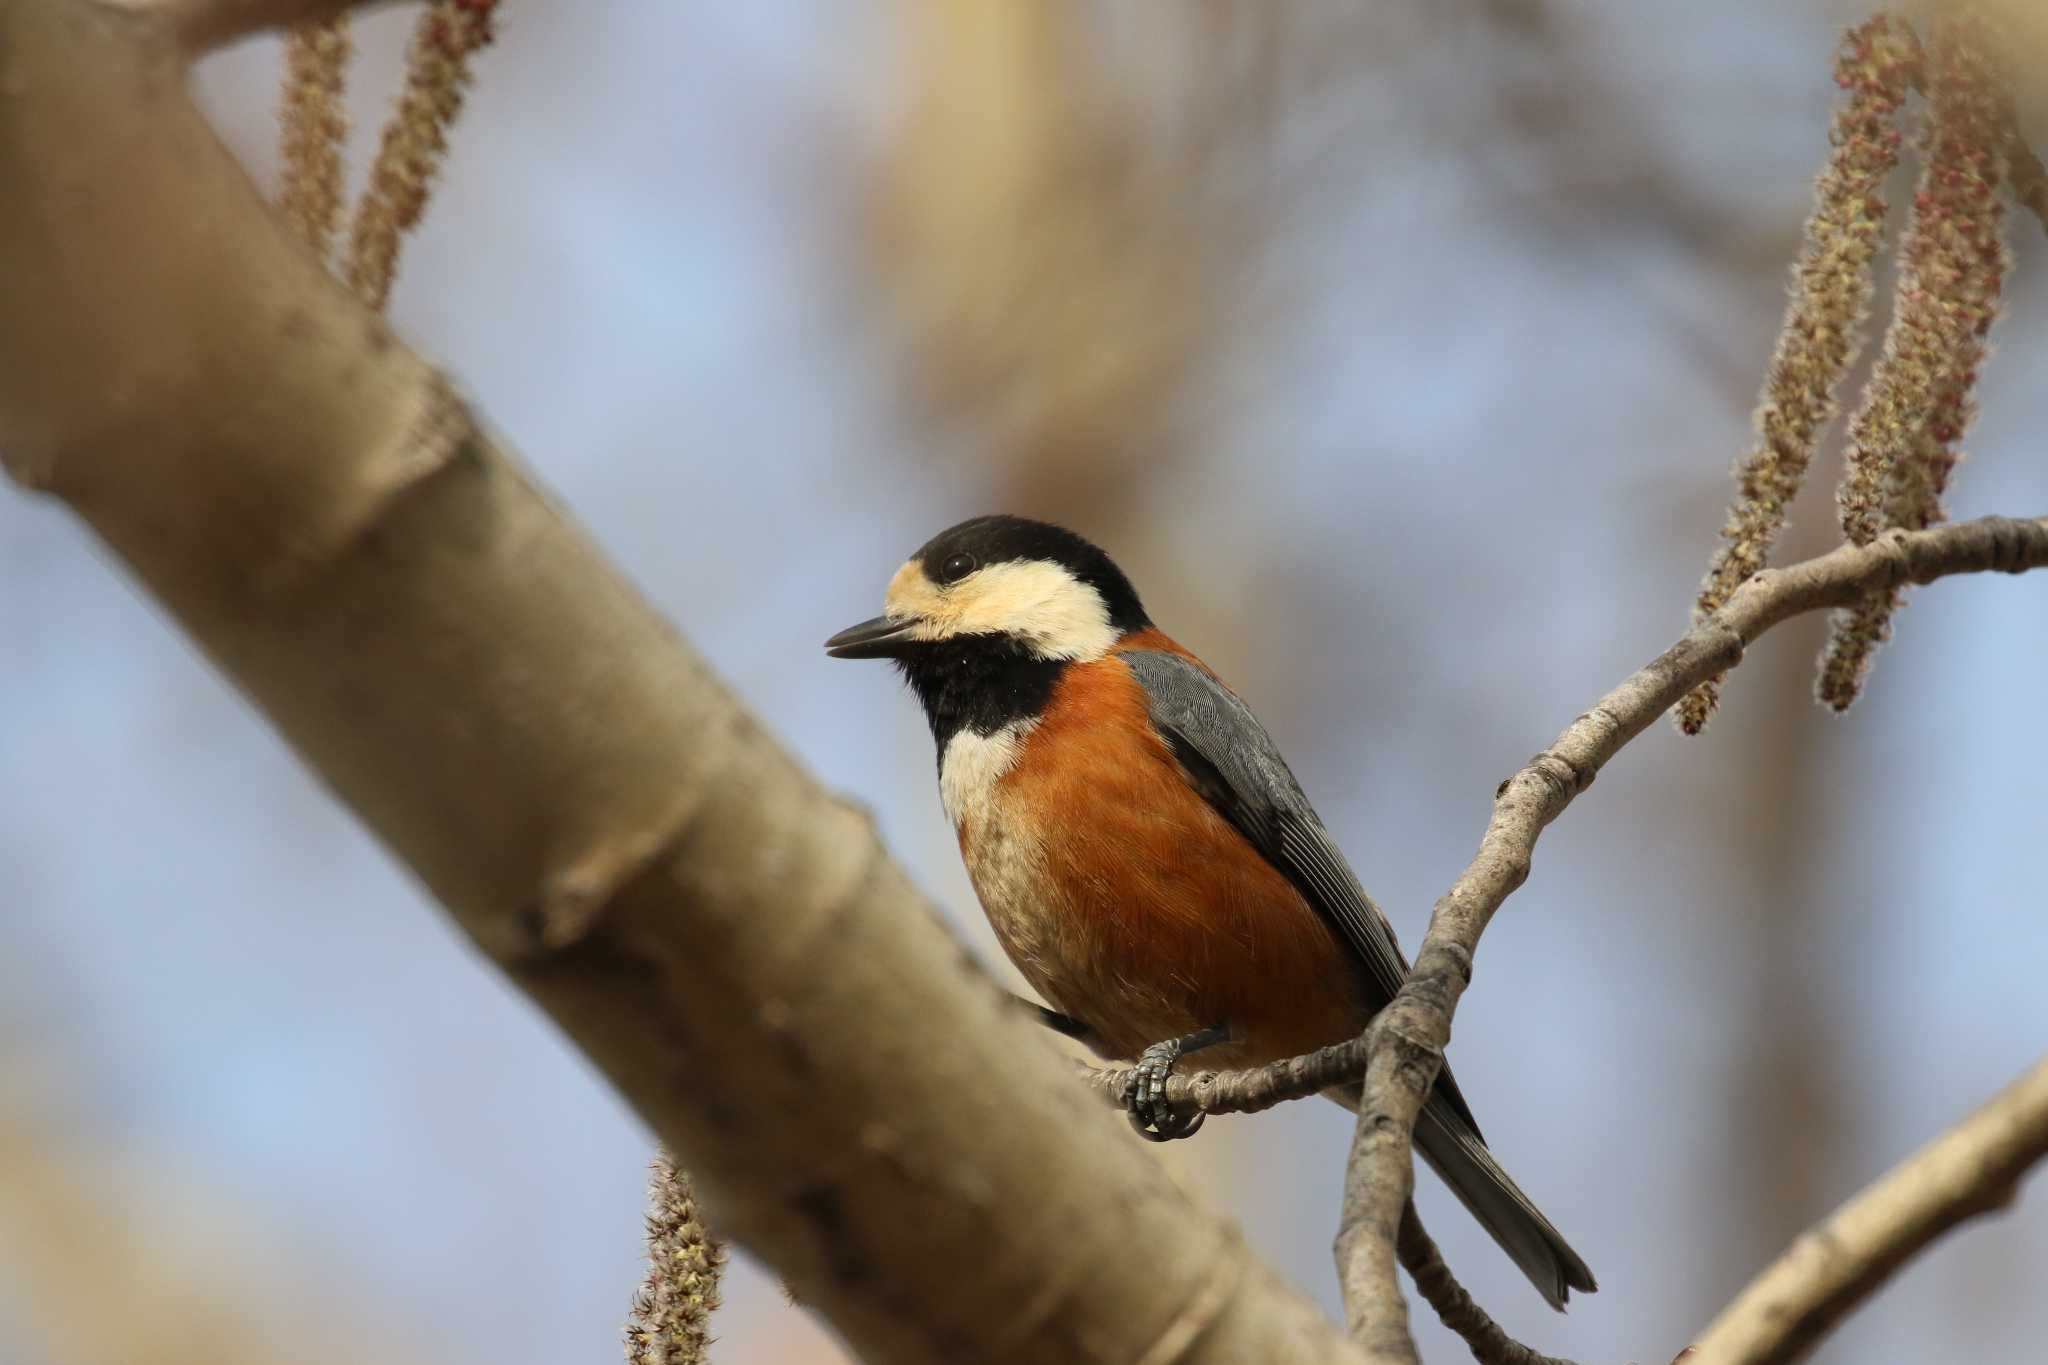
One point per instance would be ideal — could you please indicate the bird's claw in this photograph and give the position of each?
(1145, 1098)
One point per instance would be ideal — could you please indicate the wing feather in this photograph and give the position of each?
(1238, 769)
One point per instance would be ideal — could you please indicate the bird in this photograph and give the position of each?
(1142, 851)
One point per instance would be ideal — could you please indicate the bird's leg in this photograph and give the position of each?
(1065, 1024)
(1145, 1101)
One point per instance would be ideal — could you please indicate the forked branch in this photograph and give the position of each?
(1490, 1345)
(1406, 1040)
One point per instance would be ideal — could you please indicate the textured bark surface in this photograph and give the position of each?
(726, 940)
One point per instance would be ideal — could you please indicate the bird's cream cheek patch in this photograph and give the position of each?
(1034, 600)
(913, 594)
(1040, 602)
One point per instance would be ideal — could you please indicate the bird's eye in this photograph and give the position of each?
(956, 568)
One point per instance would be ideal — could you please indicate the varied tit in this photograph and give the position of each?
(1142, 851)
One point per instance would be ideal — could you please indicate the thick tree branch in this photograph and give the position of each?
(1973, 1168)
(201, 26)
(725, 939)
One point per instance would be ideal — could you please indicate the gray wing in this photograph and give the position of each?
(1235, 765)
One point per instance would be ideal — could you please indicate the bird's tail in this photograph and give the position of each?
(1454, 1151)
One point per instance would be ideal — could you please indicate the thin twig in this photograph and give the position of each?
(1369, 1227)
(1490, 1343)
(1249, 1091)
(1973, 1168)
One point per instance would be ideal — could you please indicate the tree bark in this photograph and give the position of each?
(726, 940)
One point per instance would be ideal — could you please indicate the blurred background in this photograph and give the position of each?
(1399, 351)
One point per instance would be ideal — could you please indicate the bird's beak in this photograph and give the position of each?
(884, 637)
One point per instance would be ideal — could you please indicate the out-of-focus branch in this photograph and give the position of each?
(1973, 1168)
(1045, 257)
(1538, 793)
(200, 26)
(727, 940)
(2028, 178)
(106, 1262)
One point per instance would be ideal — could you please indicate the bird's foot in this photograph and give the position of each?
(1145, 1098)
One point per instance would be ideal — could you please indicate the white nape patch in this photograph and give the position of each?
(971, 767)
(1039, 602)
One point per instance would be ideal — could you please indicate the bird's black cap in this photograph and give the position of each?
(1000, 538)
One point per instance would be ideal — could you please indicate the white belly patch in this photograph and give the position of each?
(971, 767)
(1004, 861)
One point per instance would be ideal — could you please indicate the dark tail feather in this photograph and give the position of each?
(1457, 1155)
